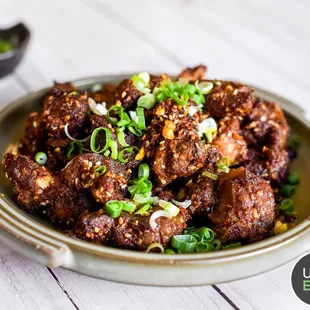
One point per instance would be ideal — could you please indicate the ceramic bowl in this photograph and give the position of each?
(19, 36)
(38, 241)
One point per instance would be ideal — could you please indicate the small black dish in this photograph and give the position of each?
(18, 36)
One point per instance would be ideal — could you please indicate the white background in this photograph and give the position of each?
(265, 43)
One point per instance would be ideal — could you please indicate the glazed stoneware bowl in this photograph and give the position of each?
(37, 240)
(19, 36)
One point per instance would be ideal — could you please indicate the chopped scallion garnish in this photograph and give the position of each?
(100, 171)
(93, 137)
(114, 208)
(41, 158)
(223, 165)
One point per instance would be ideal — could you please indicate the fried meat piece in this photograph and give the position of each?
(229, 98)
(229, 142)
(269, 164)
(194, 74)
(126, 94)
(201, 189)
(38, 189)
(266, 125)
(35, 136)
(246, 207)
(85, 172)
(129, 231)
(172, 144)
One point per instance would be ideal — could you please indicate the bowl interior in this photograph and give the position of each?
(12, 121)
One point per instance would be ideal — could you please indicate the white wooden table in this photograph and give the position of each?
(264, 42)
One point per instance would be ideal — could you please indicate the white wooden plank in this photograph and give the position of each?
(25, 285)
(89, 42)
(271, 290)
(203, 42)
(93, 294)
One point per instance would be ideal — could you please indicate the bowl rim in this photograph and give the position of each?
(135, 257)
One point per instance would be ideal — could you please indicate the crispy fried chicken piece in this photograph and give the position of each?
(129, 231)
(201, 189)
(80, 173)
(34, 138)
(106, 94)
(246, 207)
(229, 142)
(38, 189)
(229, 98)
(269, 164)
(156, 80)
(194, 74)
(266, 125)
(172, 144)
(127, 95)
(61, 108)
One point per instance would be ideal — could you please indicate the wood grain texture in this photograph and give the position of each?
(28, 286)
(261, 42)
(124, 296)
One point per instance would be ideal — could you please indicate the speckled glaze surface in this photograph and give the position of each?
(38, 241)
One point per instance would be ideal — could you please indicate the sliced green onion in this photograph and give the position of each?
(217, 244)
(120, 112)
(204, 247)
(121, 137)
(74, 145)
(144, 198)
(146, 101)
(107, 153)
(141, 186)
(287, 190)
(210, 175)
(155, 245)
(143, 171)
(145, 76)
(204, 87)
(128, 150)
(170, 207)
(190, 89)
(113, 147)
(144, 210)
(184, 243)
(202, 234)
(128, 206)
(114, 208)
(293, 178)
(161, 96)
(40, 158)
(73, 93)
(231, 246)
(5, 46)
(169, 251)
(141, 119)
(100, 171)
(223, 165)
(137, 132)
(108, 137)
(286, 205)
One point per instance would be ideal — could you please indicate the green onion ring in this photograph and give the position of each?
(93, 140)
(41, 158)
(154, 246)
(184, 243)
(126, 150)
(113, 147)
(114, 208)
(143, 171)
(100, 171)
